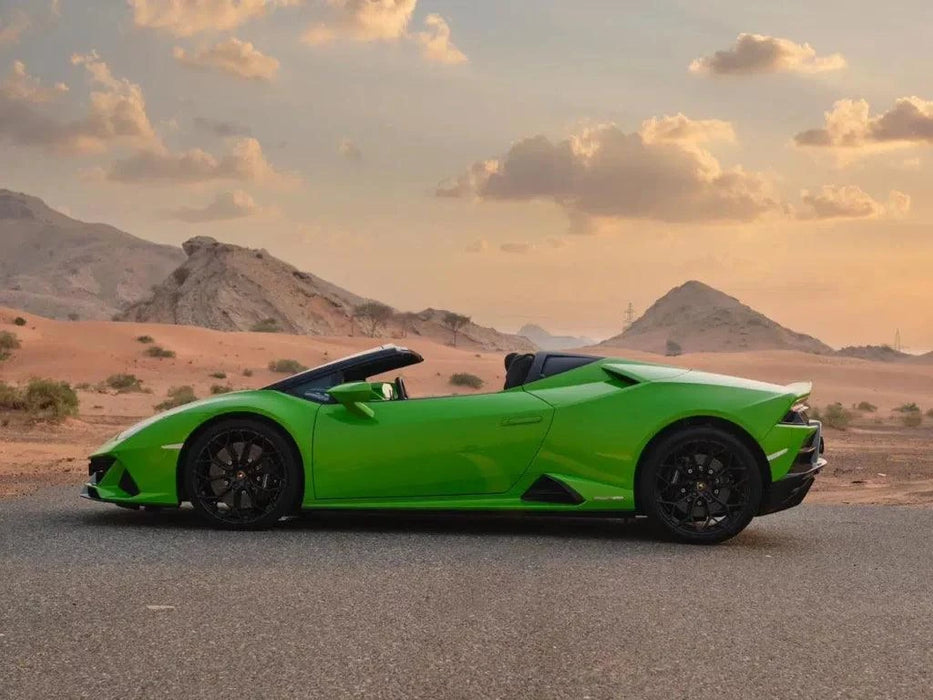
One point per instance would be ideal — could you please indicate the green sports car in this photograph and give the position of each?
(699, 454)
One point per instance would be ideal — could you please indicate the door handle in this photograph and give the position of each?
(521, 420)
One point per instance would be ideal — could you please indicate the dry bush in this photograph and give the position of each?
(466, 379)
(287, 366)
(177, 396)
(837, 416)
(159, 351)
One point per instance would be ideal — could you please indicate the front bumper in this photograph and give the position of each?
(790, 490)
(111, 481)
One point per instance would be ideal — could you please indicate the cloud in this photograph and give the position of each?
(849, 125)
(349, 150)
(680, 128)
(435, 42)
(850, 202)
(21, 86)
(604, 172)
(755, 53)
(116, 115)
(234, 57)
(13, 26)
(363, 20)
(225, 206)
(384, 20)
(190, 17)
(220, 127)
(245, 161)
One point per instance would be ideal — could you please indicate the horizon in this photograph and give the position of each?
(539, 164)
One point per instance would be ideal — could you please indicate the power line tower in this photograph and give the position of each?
(897, 339)
(629, 314)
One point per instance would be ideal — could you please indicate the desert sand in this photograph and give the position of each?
(876, 460)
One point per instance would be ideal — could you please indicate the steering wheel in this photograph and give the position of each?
(400, 390)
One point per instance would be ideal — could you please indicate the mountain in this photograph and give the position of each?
(694, 317)
(544, 340)
(231, 288)
(53, 265)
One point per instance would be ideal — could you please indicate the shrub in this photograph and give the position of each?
(220, 389)
(266, 325)
(247, 372)
(11, 398)
(287, 366)
(177, 396)
(219, 375)
(158, 351)
(47, 399)
(866, 407)
(8, 341)
(146, 339)
(672, 348)
(466, 379)
(912, 419)
(124, 383)
(73, 316)
(837, 416)
(908, 408)
(19, 321)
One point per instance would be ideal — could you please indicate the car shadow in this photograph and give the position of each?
(453, 524)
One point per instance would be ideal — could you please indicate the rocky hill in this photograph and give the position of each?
(694, 317)
(231, 288)
(53, 265)
(546, 341)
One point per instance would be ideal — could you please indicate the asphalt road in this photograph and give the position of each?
(817, 602)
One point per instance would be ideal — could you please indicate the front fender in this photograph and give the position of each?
(149, 450)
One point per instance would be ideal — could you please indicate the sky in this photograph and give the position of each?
(531, 161)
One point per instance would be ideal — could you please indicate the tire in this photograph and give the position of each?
(242, 474)
(700, 485)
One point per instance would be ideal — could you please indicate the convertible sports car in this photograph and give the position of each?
(699, 454)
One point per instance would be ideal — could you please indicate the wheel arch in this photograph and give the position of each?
(728, 426)
(232, 415)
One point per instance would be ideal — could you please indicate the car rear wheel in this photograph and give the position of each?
(700, 485)
(242, 474)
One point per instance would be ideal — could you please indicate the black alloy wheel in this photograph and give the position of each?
(242, 474)
(700, 485)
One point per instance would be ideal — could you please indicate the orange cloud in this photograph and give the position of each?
(757, 53)
(232, 56)
(849, 125)
(851, 202)
(604, 172)
(190, 17)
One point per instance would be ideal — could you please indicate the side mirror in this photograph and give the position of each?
(354, 395)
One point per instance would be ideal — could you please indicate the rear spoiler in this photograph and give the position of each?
(800, 390)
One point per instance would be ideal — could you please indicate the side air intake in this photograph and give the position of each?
(548, 490)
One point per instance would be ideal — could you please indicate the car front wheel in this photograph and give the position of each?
(242, 474)
(700, 485)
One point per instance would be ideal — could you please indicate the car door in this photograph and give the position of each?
(443, 446)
